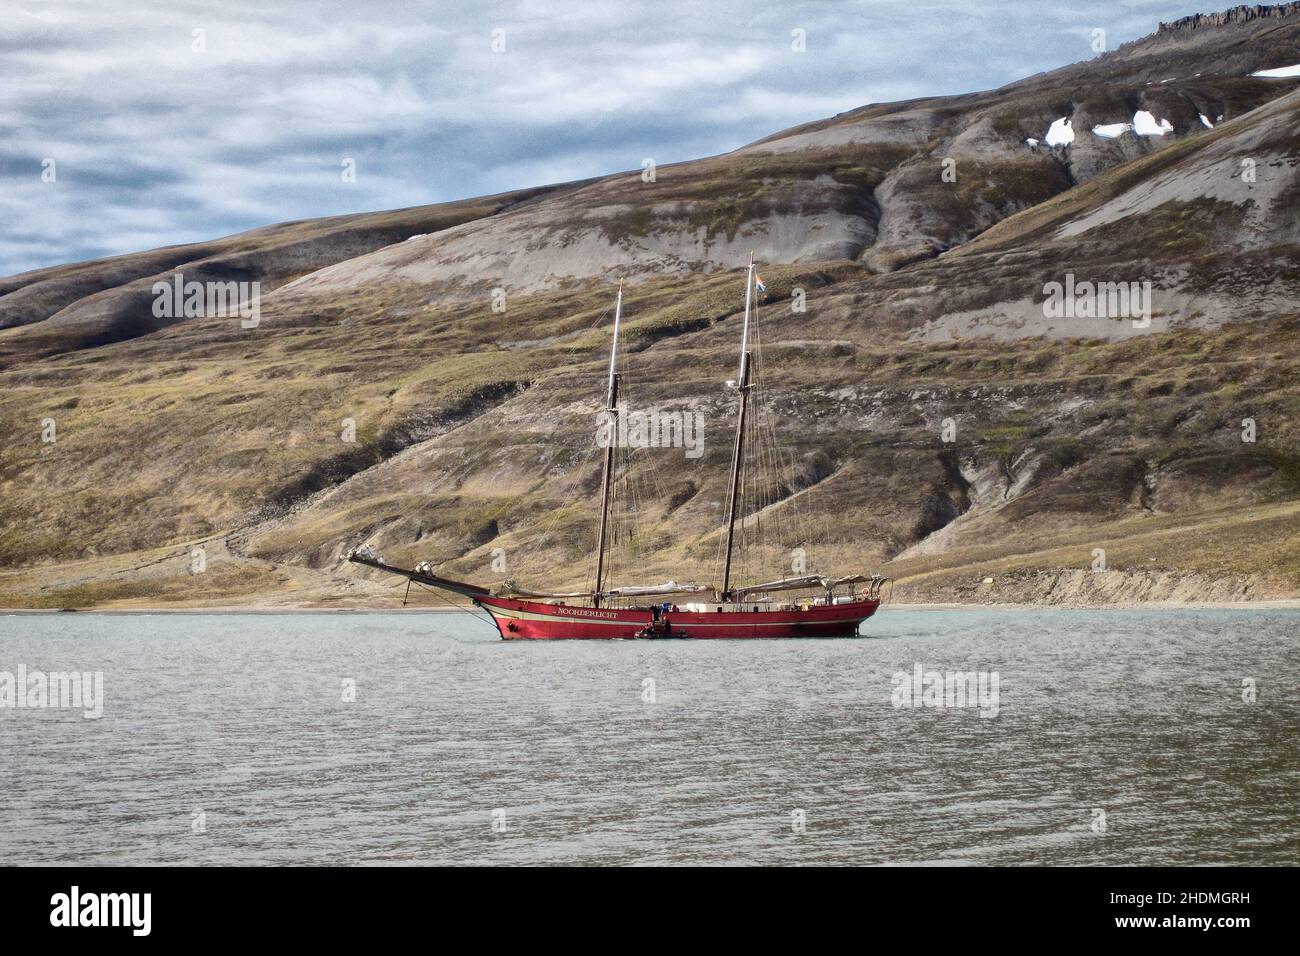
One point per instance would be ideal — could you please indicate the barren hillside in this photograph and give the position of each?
(466, 342)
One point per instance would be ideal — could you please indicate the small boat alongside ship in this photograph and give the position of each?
(830, 606)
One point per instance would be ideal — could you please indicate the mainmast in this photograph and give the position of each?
(611, 409)
(737, 452)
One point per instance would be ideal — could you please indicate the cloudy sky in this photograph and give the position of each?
(176, 121)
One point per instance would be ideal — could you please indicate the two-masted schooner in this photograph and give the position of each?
(835, 608)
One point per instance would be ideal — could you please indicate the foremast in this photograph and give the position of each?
(743, 386)
(611, 409)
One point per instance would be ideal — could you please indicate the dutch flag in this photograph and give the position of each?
(759, 284)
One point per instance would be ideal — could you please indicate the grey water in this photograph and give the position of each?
(1120, 737)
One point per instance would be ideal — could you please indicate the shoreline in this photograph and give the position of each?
(1279, 604)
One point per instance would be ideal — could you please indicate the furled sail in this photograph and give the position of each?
(670, 587)
(804, 581)
(511, 589)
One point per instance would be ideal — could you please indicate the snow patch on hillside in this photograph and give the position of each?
(1278, 72)
(1060, 133)
(1144, 124)
(1111, 130)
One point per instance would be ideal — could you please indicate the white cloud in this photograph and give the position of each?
(157, 143)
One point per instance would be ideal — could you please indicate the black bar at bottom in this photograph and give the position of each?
(945, 906)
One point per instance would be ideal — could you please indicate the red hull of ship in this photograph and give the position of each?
(538, 621)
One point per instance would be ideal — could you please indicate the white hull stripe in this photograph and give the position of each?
(570, 620)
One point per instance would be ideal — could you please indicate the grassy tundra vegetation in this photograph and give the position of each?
(1174, 448)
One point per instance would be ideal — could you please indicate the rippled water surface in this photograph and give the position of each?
(227, 739)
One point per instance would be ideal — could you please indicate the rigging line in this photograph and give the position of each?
(638, 531)
(762, 479)
(570, 491)
(753, 517)
(777, 518)
(758, 493)
(764, 447)
(779, 484)
(627, 516)
(721, 533)
(762, 500)
(753, 558)
(751, 498)
(795, 522)
(745, 485)
(476, 611)
(456, 477)
(612, 533)
(759, 473)
(618, 507)
(572, 487)
(620, 542)
(769, 524)
(642, 486)
(632, 498)
(645, 477)
(754, 481)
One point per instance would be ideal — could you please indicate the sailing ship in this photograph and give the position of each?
(832, 606)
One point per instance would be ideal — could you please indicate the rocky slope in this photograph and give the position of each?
(935, 420)
(89, 304)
